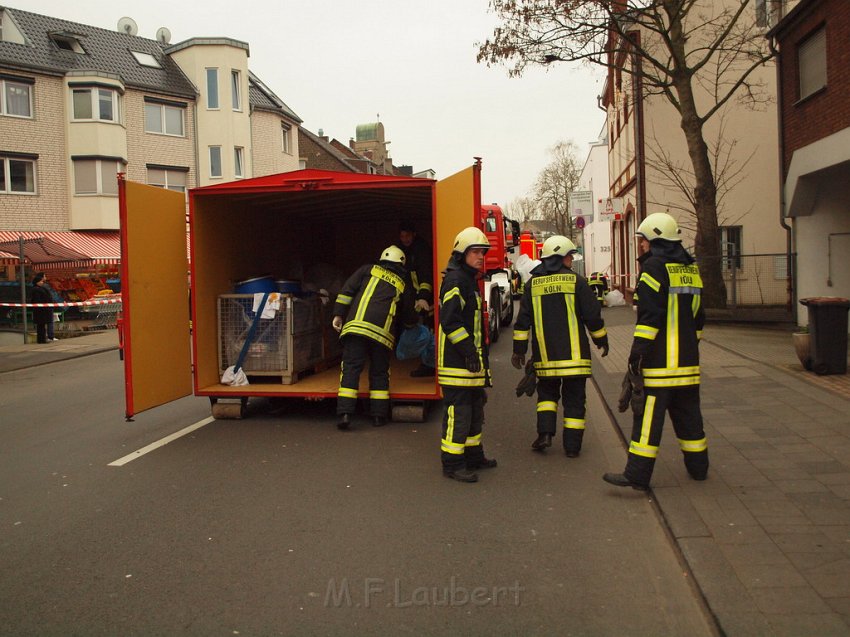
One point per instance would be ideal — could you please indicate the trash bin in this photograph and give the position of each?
(828, 329)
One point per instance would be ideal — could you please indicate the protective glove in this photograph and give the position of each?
(602, 344)
(473, 364)
(625, 398)
(631, 393)
(422, 305)
(337, 323)
(517, 360)
(528, 383)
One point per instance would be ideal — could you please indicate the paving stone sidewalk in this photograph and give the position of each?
(767, 536)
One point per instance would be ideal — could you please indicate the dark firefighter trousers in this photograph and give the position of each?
(683, 405)
(356, 350)
(571, 391)
(463, 421)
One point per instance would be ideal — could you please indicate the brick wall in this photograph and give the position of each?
(43, 135)
(317, 156)
(828, 111)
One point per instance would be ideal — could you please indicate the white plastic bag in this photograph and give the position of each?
(615, 298)
(524, 265)
(234, 378)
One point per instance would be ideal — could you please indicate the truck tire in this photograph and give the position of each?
(494, 309)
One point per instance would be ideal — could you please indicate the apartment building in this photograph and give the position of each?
(79, 104)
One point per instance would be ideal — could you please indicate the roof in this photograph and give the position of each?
(312, 179)
(106, 52)
(68, 248)
(262, 97)
(791, 17)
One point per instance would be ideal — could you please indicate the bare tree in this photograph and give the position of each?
(674, 48)
(553, 187)
(521, 209)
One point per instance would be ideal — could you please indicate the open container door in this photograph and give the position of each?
(458, 200)
(154, 296)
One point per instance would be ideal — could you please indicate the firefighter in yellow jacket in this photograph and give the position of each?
(557, 307)
(463, 369)
(365, 315)
(665, 353)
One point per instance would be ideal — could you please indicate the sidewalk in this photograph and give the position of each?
(19, 355)
(767, 536)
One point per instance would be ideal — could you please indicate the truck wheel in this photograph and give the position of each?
(494, 310)
(509, 317)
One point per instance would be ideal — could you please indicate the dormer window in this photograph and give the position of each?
(67, 42)
(146, 59)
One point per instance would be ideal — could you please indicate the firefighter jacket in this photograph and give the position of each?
(419, 264)
(670, 317)
(555, 309)
(461, 331)
(370, 299)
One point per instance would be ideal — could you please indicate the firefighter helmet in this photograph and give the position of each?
(659, 225)
(470, 238)
(557, 245)
(393, 254)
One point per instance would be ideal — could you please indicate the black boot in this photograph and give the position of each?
(620, 480)
(483, 463)
(461, 475)
(543, 441)
(344, 422)
(379, 421)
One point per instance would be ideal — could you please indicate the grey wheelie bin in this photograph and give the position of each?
(828, 329)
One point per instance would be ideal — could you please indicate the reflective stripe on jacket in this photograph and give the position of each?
(460, 333)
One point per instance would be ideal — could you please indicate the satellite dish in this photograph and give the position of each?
(163, 35)
(128, 26)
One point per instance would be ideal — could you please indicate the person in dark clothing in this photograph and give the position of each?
(419, 263)
(365, 314)
(557, 307)
(463, 368)
(598, 282)
(665, 352)
(41, 316)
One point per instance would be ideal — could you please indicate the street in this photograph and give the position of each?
(281, 525)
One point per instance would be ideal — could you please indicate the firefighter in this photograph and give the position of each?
(556, 308)
(598, 282)
(665, 352)
(365, 314)
(463, 369)
(419, 264)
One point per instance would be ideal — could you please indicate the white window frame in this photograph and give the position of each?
(728, 258)
(94, 96)
(236, 89)
(812, 63)
(167, 183)
(100, 165)
(146, 59)
(6, 186)
(212, 72)
(217, 150)
(4, 107)
(162, 119)
(286, 138)
(238, 161)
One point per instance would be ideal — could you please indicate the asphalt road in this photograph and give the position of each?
(282, 525)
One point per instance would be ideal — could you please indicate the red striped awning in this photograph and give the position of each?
(84, 248)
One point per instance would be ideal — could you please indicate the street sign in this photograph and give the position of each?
(610, 208)
(581, 205)
(580, 223)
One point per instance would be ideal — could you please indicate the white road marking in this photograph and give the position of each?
(160, 443)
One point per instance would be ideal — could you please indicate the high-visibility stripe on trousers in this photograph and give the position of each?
(463, 421)
(683, 403)
(571, 390)
(356, 350)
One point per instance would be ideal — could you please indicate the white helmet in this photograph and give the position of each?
(393, 254)
(659, 225)
(470, 238)
(557, 245)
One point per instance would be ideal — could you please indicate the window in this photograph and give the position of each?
(17, 176)
(15, 98)
(730, 246)
(67, 42)
(170, 178)
(212, 88)
(96, 176)
(146, 59)
(164, 119)
(103, 104)
(811, 58)
(238, 157)
(215, 161)
(234, 90)
(287, 147)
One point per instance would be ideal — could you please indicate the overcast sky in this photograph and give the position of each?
(340, 63)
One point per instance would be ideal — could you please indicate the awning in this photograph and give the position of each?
(62, 250)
